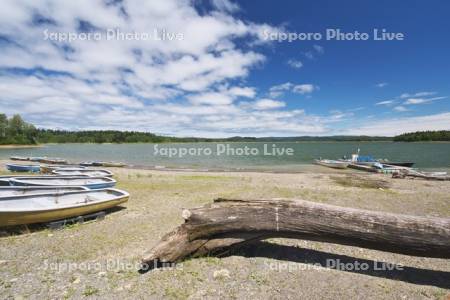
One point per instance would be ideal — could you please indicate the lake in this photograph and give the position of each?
(429, 155)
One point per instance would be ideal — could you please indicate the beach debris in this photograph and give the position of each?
(209, 230)
(221, 274)
(423, 175)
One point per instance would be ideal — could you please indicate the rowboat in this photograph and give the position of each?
(5, 179)
(22, 168)
(102, 164)
(112, 164)
(36, 158)
(81, 171)
(50, 168)
(21, 158)
(28, 209)
(89, 164)
(336, 164)
(47, 160)
(7, 191)
(396, 163)
(89, 182)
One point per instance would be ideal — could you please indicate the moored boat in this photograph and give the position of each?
(335, 164)
(7, 191)
(396, 163)
(112, 164)
(20, 158)
(49, 160)
(89, 164)
(28, 209)
(89, 182)
(36, 158)
(81, 171)
(23, 167)
(49, 168)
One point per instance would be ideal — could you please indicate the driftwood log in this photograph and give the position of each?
(423, 175)
(226, 223)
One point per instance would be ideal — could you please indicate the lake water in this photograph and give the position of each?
(425, 155)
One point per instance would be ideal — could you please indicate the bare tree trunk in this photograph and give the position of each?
(229, 222)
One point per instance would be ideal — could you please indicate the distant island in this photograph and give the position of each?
(15, 131)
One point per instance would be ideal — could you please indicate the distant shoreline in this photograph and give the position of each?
(19, 146)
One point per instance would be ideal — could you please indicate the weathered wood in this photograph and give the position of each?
(227, 222)
(424, 175)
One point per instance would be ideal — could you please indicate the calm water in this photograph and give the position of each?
(425, 155)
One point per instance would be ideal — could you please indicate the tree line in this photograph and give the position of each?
(418, 136)
(15, 130)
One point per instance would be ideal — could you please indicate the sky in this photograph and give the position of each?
(221, 68)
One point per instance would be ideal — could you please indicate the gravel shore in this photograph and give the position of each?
(100, 259)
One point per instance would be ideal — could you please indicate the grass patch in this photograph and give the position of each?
(90, 291)
(360, 182)
(204, 177)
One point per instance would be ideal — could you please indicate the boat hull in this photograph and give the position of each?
(19, 158)
(47, 169)
(331, 164)
(92, 186)
(103, 183)
(9, 191)
(20, 218)
(23, 168)
(399, 164)
(88, 172)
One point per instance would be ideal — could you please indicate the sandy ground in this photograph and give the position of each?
(100, 259)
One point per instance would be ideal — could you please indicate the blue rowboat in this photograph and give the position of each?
(23, 168)
(86, 181)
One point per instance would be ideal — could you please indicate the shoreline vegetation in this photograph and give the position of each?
(15, 132)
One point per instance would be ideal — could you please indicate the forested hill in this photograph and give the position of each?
(419, 136)
(15, 130)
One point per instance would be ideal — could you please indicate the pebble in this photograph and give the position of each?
(77, 280)
(223, 273)
(101, 274)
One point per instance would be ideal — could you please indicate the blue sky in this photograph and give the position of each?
(218, 74)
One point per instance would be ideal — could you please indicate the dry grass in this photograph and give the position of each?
(360, 182)
(157, 198)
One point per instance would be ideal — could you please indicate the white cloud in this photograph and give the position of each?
(303, 88)
(381, 84)
(400, 108)
(268, 104)
(419, 94)
(294, 63)
(411, 101)
(391, 127)
(243, 92)
(386, 102)
(211, 98)
(309, 55)
(225, 5)
(278, 90)
(319, 49)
